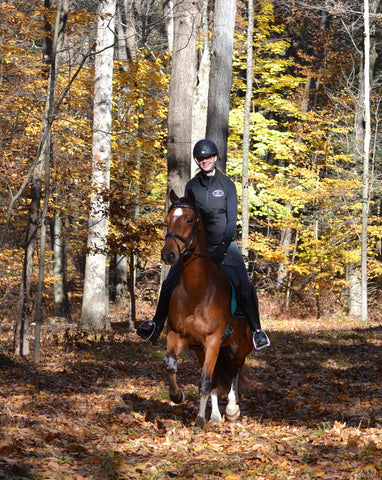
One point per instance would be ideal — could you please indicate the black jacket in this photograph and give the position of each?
(217, 200)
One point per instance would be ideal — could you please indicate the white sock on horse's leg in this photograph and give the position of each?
(215, 413)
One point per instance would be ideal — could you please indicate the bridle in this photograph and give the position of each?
(195, 230)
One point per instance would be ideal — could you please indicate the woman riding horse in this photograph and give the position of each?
(200, 316)
(216, 199)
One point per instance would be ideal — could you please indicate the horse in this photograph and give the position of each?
(200, 315)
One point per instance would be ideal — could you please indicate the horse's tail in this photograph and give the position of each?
(224, 370)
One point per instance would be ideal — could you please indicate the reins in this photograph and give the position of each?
(195, 230)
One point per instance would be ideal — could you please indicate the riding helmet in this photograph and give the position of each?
(205, 148)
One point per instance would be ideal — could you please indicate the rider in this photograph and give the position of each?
(216, 199)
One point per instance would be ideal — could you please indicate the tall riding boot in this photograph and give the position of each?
(250, 306)
(151, 329)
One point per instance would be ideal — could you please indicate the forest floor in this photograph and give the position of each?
(97, 407)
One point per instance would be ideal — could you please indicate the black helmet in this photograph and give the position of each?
(204, 148)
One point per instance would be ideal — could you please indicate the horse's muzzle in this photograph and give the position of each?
(169, 256)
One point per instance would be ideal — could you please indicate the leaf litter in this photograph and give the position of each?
(97, 408)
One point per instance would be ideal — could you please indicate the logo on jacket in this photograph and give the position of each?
(218, 193)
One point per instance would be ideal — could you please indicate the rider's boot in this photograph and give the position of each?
(251, 309)
(151, 329)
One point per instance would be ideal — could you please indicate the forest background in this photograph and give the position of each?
(93, 403)
(305, 161)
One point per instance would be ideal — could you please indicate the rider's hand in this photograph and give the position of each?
(220, 251)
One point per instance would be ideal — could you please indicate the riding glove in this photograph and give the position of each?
(220, 251)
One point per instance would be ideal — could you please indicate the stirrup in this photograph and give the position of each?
(261, 347)
(152, 325)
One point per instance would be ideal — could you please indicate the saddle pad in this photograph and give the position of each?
(235, 308)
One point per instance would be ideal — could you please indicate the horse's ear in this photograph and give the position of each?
(191, 197)
(173, 196)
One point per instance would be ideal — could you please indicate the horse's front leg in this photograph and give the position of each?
(174, 347)
(205, 388)
(232, 409)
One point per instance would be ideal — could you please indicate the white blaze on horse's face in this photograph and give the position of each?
(178, 212)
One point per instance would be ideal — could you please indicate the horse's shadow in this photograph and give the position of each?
(157, 411)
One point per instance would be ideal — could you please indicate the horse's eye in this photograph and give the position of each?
(190, 220)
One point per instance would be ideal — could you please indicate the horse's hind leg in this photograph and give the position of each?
(215, 413)
(233, 410)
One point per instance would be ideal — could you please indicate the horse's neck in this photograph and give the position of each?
(197, 272)
(198, 267)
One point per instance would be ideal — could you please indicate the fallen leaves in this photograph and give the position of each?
(312, 409)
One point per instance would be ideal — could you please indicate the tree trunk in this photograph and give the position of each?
(132, 278)
(94, 315)
(354, 291)
(120, 280)
(168, 14)
(21, 338)
(41, 271)
(127, 32)
(247, 114)
(200, 104)
(285, 242)
(60, 294)
(182, 83)
(288, 294)
(366, 153)
(362, 148)
(221, 76)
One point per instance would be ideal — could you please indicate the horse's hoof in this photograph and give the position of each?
(216, 418)
(233, 415)
(178, 397)
(200, 422)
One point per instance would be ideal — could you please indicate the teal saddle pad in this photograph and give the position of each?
(236, 311)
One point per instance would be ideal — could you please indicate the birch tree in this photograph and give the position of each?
(94, 315)
(366, 148)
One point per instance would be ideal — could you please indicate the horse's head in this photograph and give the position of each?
(183, 221)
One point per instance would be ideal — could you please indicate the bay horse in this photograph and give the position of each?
(200, 314)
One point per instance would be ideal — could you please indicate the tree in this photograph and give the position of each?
(286, 191)
(42, 159)
(221, 76)
(183, 79)
(140, 87)
(200, 103)
(246, 125)
(94, 315)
